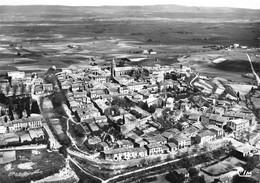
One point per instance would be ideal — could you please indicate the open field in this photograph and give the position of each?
(33, 39)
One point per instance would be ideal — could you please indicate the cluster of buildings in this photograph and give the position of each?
(136, 127)
(18, 85)
(195, 120)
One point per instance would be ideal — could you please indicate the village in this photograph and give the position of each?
(122, 115)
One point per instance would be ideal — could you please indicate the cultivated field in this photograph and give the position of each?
(33, 39)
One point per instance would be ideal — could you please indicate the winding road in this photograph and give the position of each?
(253, 70)
(191, 82)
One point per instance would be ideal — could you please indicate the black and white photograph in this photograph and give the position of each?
(129, 91)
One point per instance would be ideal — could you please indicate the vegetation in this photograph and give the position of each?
(35, 107)
(122, 102)
(45, 164)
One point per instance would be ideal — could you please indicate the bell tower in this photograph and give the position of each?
(112, 68)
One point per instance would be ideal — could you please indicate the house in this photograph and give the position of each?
(214, 119)
(181, 140)
(65, 85)
(85, 114)
(2, 126)
(96, 94)
(136, 86)
(159, 139)
(112, 91)
(155, 148)
(38, 81)
(191, 132)
(243, 115)
(32, 122)
(204, 118)
(99, 78)
(183, 125)
(118, 71)
(238, 126)
(125, 144)
(75, 87)
(205, 137)
(219, 110)
(185, 106)
(123, 89)
(16, 74)
(120, 154)
(244, 151)
(47, 87)
(38, 90)
(169, 134)
(217, 130)
(82, 94)
(133, 137)
(104, 146)
(182, 171)
(100, 119)
(172, 147)
(194, 118)
(140, 143)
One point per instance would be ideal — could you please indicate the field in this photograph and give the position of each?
(33, 39)
(223, 167)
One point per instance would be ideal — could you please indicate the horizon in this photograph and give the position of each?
(245, 4)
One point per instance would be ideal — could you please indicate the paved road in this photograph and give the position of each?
(41, 146)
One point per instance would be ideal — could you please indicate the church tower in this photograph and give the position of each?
(113, 66)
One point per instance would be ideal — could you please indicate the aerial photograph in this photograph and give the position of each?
(130, 91)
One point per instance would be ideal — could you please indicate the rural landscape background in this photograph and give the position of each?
(42, 34)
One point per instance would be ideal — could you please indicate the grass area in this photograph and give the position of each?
(31, 165)
(224, 166)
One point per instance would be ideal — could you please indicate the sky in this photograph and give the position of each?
(251, 4)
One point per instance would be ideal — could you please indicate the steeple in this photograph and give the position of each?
(113, 66)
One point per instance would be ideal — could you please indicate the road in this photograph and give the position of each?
(40, 146)
(54, 144)
(196, 76)
(253, 70)
(87, 173)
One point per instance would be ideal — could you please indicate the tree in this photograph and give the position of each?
(122, 63)
(238, 95)
(174, 177)
(22, 89)
(193, 172)
(35, 108)
(251, 163)
(238, 179)
(57, 99)
(78, 130)
(15, 87)
(7, 89)
(152, 108)
(145, 106)
(198, 179)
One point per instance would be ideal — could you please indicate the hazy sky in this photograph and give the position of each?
(253, 4)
